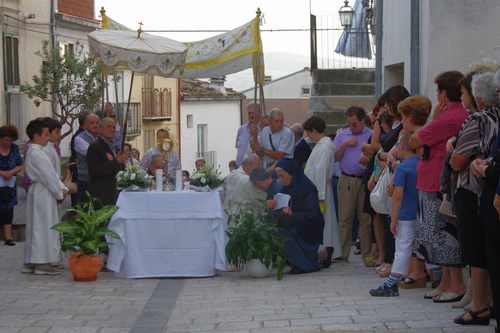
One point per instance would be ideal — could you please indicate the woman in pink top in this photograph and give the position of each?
(436, 239)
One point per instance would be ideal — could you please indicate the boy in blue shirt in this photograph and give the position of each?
(403, 215)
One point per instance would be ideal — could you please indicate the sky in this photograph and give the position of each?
(227, 15)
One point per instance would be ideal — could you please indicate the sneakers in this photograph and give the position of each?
(28, 268)
(10, 242)
(58, 266)
(357, 251)
(382, 291)
(45, 269)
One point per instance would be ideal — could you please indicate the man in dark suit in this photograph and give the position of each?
(104, 161)
(301, 149)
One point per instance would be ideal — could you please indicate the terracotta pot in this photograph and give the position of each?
(84, 267)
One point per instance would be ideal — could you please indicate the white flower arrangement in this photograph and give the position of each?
(206, 176)
(134, 178)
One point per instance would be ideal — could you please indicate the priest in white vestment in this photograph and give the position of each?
(42, 247)
(319, 170)
(240, 192)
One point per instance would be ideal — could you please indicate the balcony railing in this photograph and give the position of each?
(157, 103)
(355, 46)
(134, 117)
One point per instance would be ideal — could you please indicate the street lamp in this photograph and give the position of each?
(346, 12)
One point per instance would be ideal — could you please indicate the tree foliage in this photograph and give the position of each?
(72, 80)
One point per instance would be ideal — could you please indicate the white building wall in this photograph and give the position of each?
(30, 32)
(286, 87)
(453, 33)
(471, 32)
(222, 119)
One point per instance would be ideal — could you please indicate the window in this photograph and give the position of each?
(67, 48)
(202, 139)
(305, 91)
(189, 121)
(11, 49)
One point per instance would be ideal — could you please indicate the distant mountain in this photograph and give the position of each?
(277, 64)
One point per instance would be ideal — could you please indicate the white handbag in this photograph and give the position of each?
(379, 198)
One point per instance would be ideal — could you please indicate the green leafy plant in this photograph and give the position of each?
(71, 80)
(84, 230)
(251, 236)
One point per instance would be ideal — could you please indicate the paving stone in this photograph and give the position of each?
(332, 300)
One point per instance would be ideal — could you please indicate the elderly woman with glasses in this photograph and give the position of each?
(476, 139)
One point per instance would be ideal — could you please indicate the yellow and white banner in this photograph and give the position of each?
(224, 54)
(227, 53)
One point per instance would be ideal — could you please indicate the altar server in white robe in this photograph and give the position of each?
(42, 245)
(240, 192)
(54, 138)
(319, 171)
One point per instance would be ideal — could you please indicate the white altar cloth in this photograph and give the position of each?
(168, 234)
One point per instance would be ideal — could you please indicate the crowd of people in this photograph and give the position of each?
(441, 166)
(441, 220)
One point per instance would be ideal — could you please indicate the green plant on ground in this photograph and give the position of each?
(251, 236)
(85, 228)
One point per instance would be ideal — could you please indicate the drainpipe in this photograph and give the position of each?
(379, 10)
(179, 115)
(53, 40)
(415, 47)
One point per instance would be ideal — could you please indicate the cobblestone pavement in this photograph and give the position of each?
(333, 300)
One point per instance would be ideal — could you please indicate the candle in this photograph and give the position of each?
(178, 180)
(159, 179)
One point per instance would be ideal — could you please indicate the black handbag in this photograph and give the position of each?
(6, 193)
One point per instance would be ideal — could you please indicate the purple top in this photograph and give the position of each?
(349, 162)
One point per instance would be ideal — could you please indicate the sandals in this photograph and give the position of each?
(409, 283)
(370, 261)
(384, 270)
(434, 292)
(475, 319)
(447, 297)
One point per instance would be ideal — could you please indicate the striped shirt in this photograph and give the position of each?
(475, 140)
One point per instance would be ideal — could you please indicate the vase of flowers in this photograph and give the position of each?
(133, 178)
(208, 177)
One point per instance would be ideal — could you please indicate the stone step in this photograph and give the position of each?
(340, 89)
(332, 108)
(339, 103)
(344, 75)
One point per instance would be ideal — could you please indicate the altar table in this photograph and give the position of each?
(168, 234)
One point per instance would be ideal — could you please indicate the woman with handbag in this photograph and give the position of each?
(10, 165)
(305, 234)
(390, 99)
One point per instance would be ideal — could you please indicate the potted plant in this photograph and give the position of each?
(252, 237)
(83, 233)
